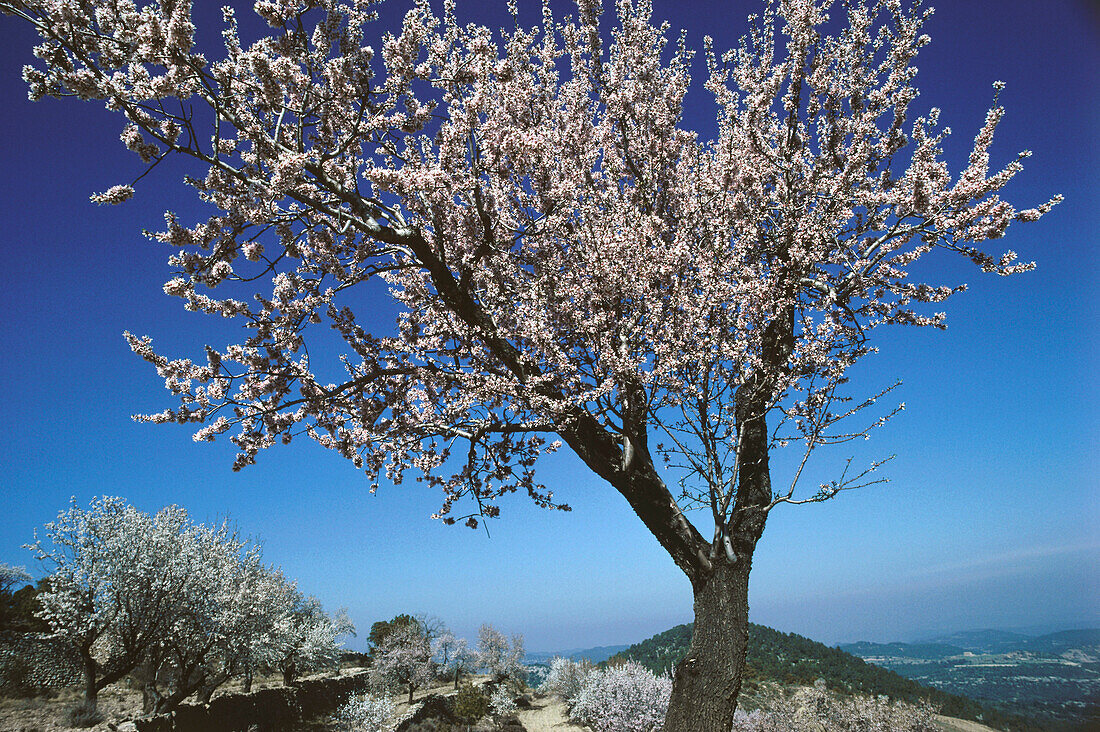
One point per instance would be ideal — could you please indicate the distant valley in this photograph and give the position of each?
(1010, 681)
(1053, 679)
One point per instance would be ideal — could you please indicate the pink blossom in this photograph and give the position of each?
(114, 195)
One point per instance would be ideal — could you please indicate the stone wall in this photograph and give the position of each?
(280, 708)
(31, 662)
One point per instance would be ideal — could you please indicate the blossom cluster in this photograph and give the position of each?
(623, 698)
(369, 713)
(817, 710)
(566, 253)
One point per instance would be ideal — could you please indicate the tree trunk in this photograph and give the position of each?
(150, 698)
(205, 692)
(91, 689)
(248, 680)
(707, 681)
(411, 688)
(145, 677)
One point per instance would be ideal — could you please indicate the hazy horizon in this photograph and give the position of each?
(1031, 631)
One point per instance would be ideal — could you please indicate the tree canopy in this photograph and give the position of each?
(572, 265)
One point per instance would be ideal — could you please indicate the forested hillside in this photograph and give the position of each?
(788, 658)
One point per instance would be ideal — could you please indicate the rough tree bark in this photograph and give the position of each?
(91, 691)
(707, 681)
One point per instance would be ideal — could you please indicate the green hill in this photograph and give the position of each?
(1086, 640)
(788, 658)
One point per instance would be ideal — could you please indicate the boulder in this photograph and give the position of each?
(433, 707)
(511, 724)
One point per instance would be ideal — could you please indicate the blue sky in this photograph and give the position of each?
(990, 518)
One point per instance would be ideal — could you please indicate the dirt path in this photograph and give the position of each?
(961, 725)
(547, 715)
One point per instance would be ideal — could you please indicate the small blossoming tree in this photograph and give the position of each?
(306, 638)
(572, 265)
(566, 678)
(118, 583)
(10, 579)
(499, 658)
(196, 654)
(403, 660)
(186, 606)
(452, 655)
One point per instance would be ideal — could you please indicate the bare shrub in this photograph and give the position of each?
(84, 714)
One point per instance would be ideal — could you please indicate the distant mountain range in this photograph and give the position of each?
(1000, 641)
(979, 641)
(1052, 679)
(599, 654)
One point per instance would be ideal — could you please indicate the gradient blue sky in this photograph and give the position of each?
(990, 519)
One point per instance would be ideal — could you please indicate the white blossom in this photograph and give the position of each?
(623, 698)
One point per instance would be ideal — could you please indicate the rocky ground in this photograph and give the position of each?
(117, 702)
(950, 724)
(39, 714)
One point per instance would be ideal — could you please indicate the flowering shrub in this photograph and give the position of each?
(566, 678)
(502, 702)
(370, 713)
(816, 710)
(626, 698)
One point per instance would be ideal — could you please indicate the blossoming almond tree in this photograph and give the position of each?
(573, 266)
(119, 577)
(10, 578)
(499, 658)
(403, 660)
(204, 610)
(452, 655)
(224, 620)
(306, 638)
